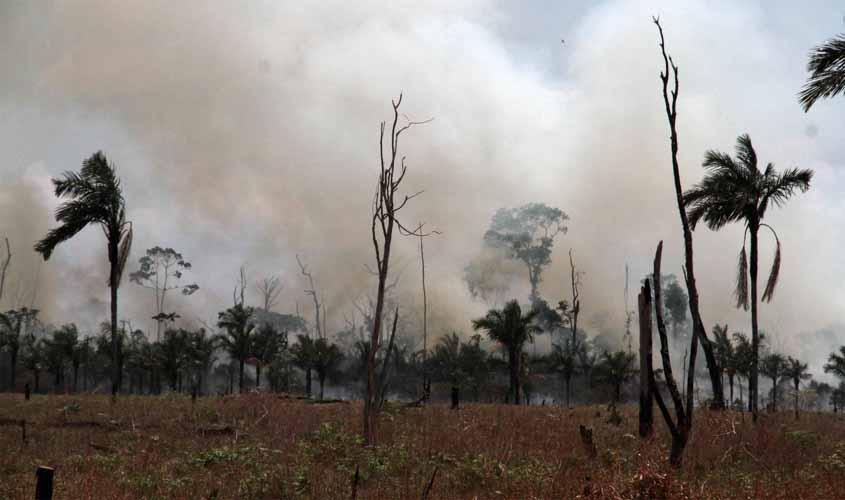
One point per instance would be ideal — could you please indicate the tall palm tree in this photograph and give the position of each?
(238, 339)
(94, 197)
(510, 327)
(736, 190)
(827, 72)
(796, 371)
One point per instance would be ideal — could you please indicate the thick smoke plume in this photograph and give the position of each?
(248, 133)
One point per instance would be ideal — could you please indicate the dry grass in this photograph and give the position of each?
(263, 446)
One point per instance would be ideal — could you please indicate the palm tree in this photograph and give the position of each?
(304, 357)
(512, 329)
(202, 355)
(738, 191)
(95, 197)
(238, 339)
(326, 358)
(564, 358)
(796, 371)
(725, 355)
(614, 369)
(827, 72)
(268, 341)
(773, 366)
(836, 363)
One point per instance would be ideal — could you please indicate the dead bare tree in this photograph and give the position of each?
(699, 334)
(240, 287)
(269, 288)
(312, 292)
(426, 382)
(384, 222)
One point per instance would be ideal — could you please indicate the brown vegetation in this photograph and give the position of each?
(156, 447)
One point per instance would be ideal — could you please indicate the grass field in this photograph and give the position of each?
(266, 446)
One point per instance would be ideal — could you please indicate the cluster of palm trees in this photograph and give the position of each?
(735, 356)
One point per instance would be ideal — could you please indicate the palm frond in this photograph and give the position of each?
(745, 153)
(66, 231)
(741, 292)
(774, 274)
(123, 253)
(827, 72)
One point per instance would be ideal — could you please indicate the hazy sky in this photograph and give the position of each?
(247, 132)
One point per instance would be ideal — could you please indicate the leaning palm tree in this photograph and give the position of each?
(827, 72)
(237, 342)
(512, 329)
(94, 198)
(796, 371)
(735, 190)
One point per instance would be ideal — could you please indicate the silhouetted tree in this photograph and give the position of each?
(95, 197)
(327, 357)
(511, 328)
(14, 324)
(527, 234)
(795, 371)
(304, 357)
(773, 366)
(615, 369)
(161, 270)
(239, 336)
(736, 190)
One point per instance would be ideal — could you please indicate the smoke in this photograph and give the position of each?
(245, 134)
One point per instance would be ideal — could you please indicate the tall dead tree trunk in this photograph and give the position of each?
(646, 397)
(384, 222)
(313, 293)
(699, 333)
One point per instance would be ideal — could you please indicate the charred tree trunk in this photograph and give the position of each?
(241, 387)
(681, 425)
(646, 369)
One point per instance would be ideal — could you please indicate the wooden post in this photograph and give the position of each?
(23, 431)
(44, 484)
(455, 397)
(646, 397)
(26, 391)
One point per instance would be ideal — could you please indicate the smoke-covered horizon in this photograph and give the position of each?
(248, 133)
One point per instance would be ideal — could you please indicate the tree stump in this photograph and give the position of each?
(26, 391)
(587, 441)
(44, 483)
(455, 398)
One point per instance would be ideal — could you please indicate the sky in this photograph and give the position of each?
(247, 133)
